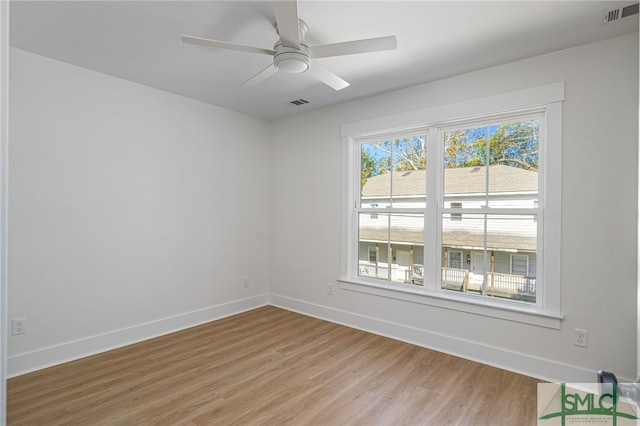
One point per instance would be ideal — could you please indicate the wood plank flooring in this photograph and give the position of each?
(273, 367)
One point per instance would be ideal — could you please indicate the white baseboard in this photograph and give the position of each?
(543, 369)
(69, 351)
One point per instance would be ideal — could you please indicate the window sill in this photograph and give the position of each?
(533, 315)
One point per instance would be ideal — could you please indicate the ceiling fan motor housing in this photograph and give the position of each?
(290, 59)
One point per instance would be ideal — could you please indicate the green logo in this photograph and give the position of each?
(590, 407)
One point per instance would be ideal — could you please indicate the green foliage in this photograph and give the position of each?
(369, 167)
(511, 144)
(401, 154)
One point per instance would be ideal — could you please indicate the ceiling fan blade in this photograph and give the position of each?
(377, 44)
(326, 76)
(225, 45)
(287, 22)
(261, 76)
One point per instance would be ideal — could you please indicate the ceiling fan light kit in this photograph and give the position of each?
(291, 54)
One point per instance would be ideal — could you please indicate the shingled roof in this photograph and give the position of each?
(461, 180)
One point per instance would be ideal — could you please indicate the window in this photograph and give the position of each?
(374, 215)
(392, 175)
(456, 205)
(373, 254)
(463, 217)
(493, 165)
(520, 264)
(455, 259)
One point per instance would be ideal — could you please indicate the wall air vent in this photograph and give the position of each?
(613, 15)
(298, 102)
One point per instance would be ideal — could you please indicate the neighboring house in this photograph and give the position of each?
(509, 261)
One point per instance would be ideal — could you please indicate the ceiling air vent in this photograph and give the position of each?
(613, 15)
(298, 102)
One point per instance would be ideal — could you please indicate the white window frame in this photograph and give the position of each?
(545, 99)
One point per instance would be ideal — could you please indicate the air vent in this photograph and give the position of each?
(613, 15)
(299, 102)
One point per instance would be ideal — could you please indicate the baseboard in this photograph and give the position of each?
(543, 369)
(69, 351)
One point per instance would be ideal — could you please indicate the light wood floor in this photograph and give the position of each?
(271, 366)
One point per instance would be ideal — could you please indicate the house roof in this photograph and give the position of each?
(461, 180)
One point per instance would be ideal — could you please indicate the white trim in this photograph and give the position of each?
(518, 362)
(69, 351)
(469, 303)
(551, 196)
(505, 102)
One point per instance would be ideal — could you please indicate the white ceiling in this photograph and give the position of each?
(140, 41)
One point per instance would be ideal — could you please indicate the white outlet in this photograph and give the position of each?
(246, 282)
(18, 326)
(580, 337)
(330, 289)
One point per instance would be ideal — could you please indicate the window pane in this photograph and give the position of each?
(511, 179)
(498, 252)
(391, 247)
(393, 173)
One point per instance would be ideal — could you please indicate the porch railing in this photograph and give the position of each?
(498, 284)
(508, 285)
(455, 279)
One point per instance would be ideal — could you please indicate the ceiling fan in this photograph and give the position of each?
(291, 54)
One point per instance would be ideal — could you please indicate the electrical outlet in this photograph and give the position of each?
(580, 337)
(246, 282)
(18, 326)
(330, 289)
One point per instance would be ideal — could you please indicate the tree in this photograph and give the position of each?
(461, 148)
(404, 154)
(516, 145)
(369, 166)
(511, 144)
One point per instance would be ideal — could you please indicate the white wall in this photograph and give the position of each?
(599, 208)
(4, 137)
(133, 212)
